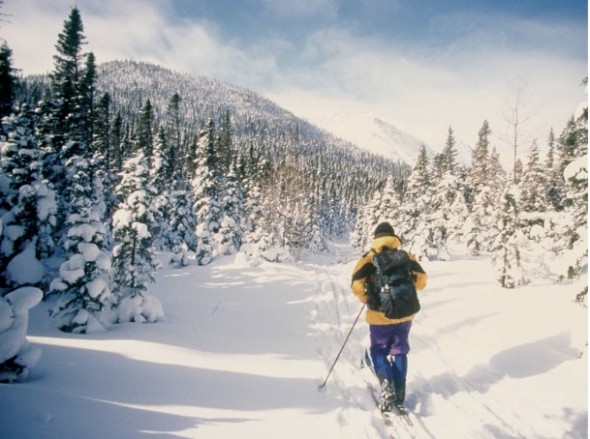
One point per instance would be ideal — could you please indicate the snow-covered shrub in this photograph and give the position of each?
(17, 356)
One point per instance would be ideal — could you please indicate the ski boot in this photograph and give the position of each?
(387, 396)
(400, 395)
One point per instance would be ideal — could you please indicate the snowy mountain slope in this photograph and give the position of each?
(130, 83)
(244, 346)
(372, 133)
(379, 136)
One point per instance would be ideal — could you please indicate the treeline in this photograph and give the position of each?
(532, 220)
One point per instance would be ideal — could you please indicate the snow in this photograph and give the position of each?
(25, 267)
(14, 318)
(244, 345)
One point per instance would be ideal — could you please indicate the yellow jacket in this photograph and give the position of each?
(365, 270)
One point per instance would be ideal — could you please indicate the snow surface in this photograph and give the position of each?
(245, 344)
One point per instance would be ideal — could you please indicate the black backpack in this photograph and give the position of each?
(394, 283)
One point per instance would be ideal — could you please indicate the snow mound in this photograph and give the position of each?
(17, 356)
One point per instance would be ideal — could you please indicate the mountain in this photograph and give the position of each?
(379, 136)
(373, 133)
(130, 83)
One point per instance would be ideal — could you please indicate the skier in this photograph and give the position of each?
(389, 337)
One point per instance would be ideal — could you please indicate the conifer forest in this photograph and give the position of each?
(104, 165)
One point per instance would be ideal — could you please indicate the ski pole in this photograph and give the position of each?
(321, 386)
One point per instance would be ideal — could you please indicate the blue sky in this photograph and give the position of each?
(422, 65)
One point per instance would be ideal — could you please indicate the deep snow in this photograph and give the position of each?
(245, 344)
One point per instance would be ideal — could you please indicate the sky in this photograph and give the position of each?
(421, 65)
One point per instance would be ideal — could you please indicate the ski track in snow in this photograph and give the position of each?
(245, 345)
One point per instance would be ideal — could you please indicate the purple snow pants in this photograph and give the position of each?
(386, 341)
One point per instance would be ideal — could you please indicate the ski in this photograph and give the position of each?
(403, 413)
(398, 410)
(385, 416)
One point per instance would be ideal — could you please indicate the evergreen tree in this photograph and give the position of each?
(450, 152)
(68, 69)
(478, 229)
(8, 81)
(479, 170)
(225, 142)
(145, 137)
(415, 205)
(554, 188)
(84, 294)
(534, 183)
(27, 213)
(101, 141)
(446, 215)
(508, 243)
(116, 143)
(575, 254)
(134, 258)
(205, 186)
(85, 102)
(229, 238)
(173, 148)
(181, 238)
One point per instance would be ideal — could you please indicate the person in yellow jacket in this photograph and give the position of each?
(389, 337)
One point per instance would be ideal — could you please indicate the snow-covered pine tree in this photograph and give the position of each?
(256, 230)
(85, 299)
(478, 229)
(102, 161)
(27, 213)
(447, 215)
(509, 240)
(535, 216)
(161, 204)
(182, 225)
(415, 206)
(574, 142)
(134, 258)
(205, 186)
(229, 238)
(145, 132)
(554, 189)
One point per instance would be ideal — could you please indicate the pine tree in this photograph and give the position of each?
(145, 136)
(479, 170)
(27, 213)
(446, 215)
(173, 146)
(575, 253)
(509, 242)
(181, 238)
(478, 229)
(85, 102)
(68, 69)
(8, 81)
(450, 152)
(134, 258)
(229, 238)
(554, 188)
(415, 205)
(205, 186)
(84, 295)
